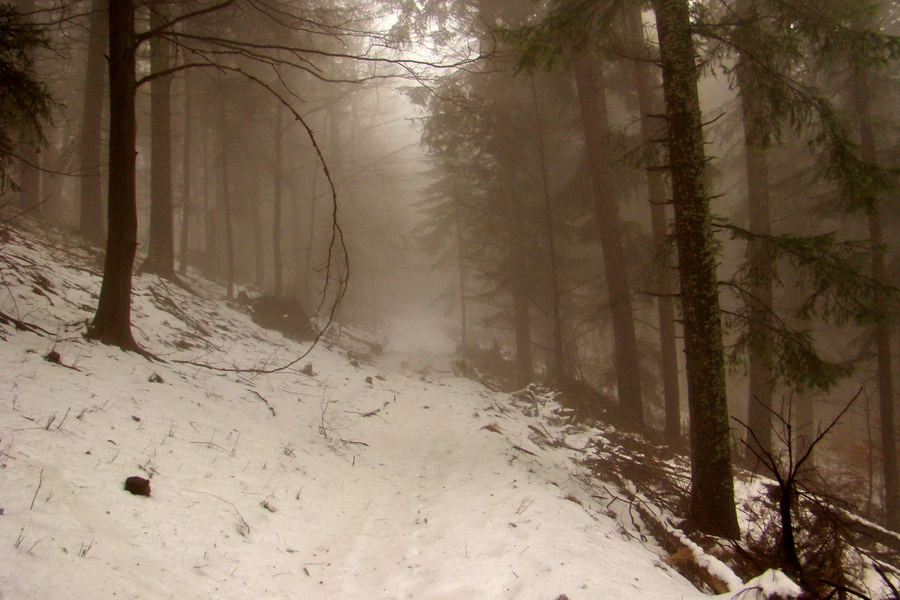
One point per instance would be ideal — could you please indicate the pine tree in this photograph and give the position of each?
(712, 487)
(24, 100)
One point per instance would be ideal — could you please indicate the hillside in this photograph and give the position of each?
(376, 476)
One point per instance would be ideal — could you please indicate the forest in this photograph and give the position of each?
(676, 214)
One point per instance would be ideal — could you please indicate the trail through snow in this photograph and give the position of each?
(365, 481)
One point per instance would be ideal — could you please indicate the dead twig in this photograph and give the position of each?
(258, 395)
(40, 483)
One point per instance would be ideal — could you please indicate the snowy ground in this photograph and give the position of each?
(416, 485)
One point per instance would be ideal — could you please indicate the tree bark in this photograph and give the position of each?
(650, 105)
(226, 195)
(161, 250)
(30, 176)
(90, 222)
(276, 204)
(891, 501)
(186, 174)
(712, 486)
(112, 322)
(560, 372)
(595, 123)
(760, 260)
(522, 329)
(461, 264)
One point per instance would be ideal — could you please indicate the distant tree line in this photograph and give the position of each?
(576, 188)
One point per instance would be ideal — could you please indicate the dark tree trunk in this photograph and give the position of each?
(310, 243)
(595, 123)
(112, 323)
(90, 222)
(259, 246)
(789, 557)
(882, 330)
(522, 328)
(652, 129)
(760, 261)
(559, 373)
(30, 177)
(461, 263)
(30, 180)
(276, 205)
(187, 175)
(712, 486)
(161, 250)
(210, 222)
(226, 195)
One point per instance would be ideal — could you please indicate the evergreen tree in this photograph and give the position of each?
(24, 100)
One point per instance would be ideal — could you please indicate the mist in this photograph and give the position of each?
(688, 231)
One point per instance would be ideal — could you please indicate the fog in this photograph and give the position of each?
(497, 173)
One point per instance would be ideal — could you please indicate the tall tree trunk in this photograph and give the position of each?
(310, 243)
(225, 148)
(595, 123)
(210, 222)
(112, 323)
(712, 486)
(30, 177)
(652, 129)
(186, 174)
(760, 260)
(559, 374)
(276, 204)
(461, 264)
(803, 421)
(161, 250)
(90, 222)
(882, 330)
(522, 329)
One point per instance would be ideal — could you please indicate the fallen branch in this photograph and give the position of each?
(21, 325)
(258, 395)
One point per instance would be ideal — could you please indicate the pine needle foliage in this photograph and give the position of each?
(24, 100)
(836, 289)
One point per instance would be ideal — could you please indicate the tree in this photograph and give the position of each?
(882, 329)
(112, 322)
(595, 123)
(90, 222)
(24, 100)
(161, 250)
(712, 487)
(646, 82)
(760, 262)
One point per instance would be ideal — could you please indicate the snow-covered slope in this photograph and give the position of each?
(362, 481)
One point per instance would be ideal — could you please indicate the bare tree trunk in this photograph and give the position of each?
(187, 174)
(276, 203)
(91, 205)
(30, 179)
(560, 371)
(161, 249)
(712, 486)
(522, 329)
(30, 176)
(882, 330)
(760, 261)
(259, 246)
(112, 323)
(463, 315)
(650, 104)
(595, 123)
(225, 148)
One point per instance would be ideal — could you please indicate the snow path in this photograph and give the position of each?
(350, 490)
